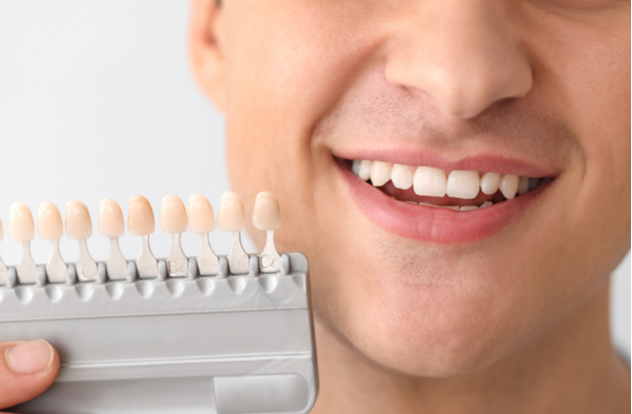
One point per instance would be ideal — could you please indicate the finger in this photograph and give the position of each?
(26, 370)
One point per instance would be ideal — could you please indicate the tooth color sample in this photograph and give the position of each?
(490, 182)
(21, 225)
(230, 216)
(266, 215)
(49, 224)
(201, 215)
(364, 171)
(509, 185)
(429, 181)
(78, 221)
(111, 222)
(173, 215)
(140, 219)
(463, 184)
(380, 173)
(401, 177)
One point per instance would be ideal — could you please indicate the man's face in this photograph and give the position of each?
(538, 89)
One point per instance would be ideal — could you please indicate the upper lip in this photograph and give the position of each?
(488, 161)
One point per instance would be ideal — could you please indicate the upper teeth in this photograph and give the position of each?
(433, 182)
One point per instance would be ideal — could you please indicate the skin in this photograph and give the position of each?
(514, 322)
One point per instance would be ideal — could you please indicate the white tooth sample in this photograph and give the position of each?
(380, 173)
(79, 227)
(463, 184)
(533, 183)
(173, 220)
(22, 229)
(487, 204)
(468, 208)
(364, 171)
(523, 185)
(266, 216)
(112, 225)
(141, 222)
(430, 182)
(490, 182)
(231, 218)
(401, 177)
(4, 272)
(50, 227)
(202, 222)
(509, 185)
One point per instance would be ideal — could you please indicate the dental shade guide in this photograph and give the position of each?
(50, 227)
(202, 222)
(112, 225)
(233, 334)
(79, 227)
(141, 222)
(173, 219)
(266, 217)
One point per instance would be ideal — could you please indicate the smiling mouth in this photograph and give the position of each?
(431, 204)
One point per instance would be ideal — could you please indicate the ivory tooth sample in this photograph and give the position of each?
(22, 229)
(202, 222)
(111, 224)
(4, 273)
(79, 227)
(266, 217)
(173, 220)
(231, 217)
(50, 227)
(141, 222)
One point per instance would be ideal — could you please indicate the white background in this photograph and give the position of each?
(97, 100)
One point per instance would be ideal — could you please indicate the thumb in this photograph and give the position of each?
(26, 370)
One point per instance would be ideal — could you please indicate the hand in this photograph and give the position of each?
(26, 370)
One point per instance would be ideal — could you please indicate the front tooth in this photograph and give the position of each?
(468, 208)
(490, 183)
(401, 177)
(429, 181)
(79, 227)
(173, 219)
(509, 185)
(463, 184)
(380, 173)
(50, 227)
(455, 208)
(523, 185)
(364, 171)
(487, 204)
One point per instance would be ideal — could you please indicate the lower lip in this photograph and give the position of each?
(435, 224)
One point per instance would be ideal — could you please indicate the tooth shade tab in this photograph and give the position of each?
(266, 214)
(490, 182)
(401, 177)
(49, 223)
(21, 225)
(487, 204)
(173, 215)
(523, 185)
(111, 222)
(78, 221)
(463, 184)
(429, 181)
(380, 173)
(140, 219)
(364, 170)
(509, 185)
(201, 215)
(231, 216)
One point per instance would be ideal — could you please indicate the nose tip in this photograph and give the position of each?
(462, 59)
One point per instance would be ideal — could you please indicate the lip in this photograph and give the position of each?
(434, 224)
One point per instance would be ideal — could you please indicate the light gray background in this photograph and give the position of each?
(97, 100)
